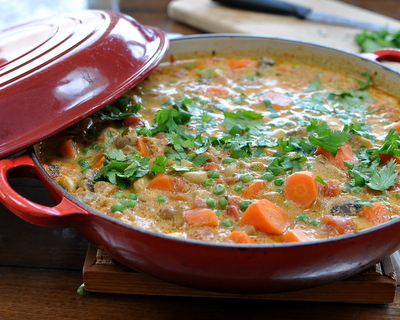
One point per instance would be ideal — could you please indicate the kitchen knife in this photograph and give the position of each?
(303, 12)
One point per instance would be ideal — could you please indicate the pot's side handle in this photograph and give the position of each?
(64, 214)
(385, 54)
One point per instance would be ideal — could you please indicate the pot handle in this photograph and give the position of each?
(64, 214)
(385, 54)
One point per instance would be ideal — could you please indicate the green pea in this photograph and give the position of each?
(302, 217)
(269, 176)
(228, 161)
(219, 189)
(117, 207)
(247, 178)
(279, 190)
(209, 183)
(213, 174)
(86, 151)
(244, 204)
(279, 182)
(238, 187)
(162, 199)
(227, 223)
(314, 222)
(210, 202)
(129, 203)
(133, 196)
(222, 203)
(118, 195)
(84, 163)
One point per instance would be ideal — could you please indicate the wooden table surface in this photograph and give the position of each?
(41, 268)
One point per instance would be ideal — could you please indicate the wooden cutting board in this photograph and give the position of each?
(208, 16)
(374, 286)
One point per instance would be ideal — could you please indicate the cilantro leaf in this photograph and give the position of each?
(282, 162)
(385, 178)
(369, 41)
(159, 164)
(391, 144)
(243, 119)
(273, 113)
(321, 135)
(119, 109)
(169, 120)
(313, 86)
(120, 169)
(359, 128)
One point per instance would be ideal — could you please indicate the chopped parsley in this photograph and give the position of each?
(369, 41)
(121, 169)
(119, 109)
(384, 178)
(321, 135)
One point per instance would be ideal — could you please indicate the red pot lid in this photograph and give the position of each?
(57, 71)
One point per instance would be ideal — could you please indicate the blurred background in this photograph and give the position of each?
(20, 11)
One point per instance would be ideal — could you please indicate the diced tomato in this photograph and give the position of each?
(331, 189)
(385, 158)
(199, 203)
(209, 165)
(233, 211)
(133, 121)
(280, 101)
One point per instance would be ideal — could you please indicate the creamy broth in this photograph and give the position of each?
(238, 150)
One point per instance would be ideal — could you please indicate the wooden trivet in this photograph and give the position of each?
(103, 274)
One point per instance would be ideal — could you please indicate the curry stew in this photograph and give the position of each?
(238, 150)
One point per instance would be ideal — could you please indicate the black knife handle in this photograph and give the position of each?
(270, 6)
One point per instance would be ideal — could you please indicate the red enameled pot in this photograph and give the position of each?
(223, 267)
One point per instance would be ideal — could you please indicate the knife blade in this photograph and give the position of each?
(303, 12)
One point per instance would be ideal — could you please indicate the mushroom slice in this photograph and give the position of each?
(172, 215)
(343, 206)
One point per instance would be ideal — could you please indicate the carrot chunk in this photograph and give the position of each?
(217, 91)
(301, 188)
(376, 214)
(162, 181)
(254, 188)
(295, 235)
(340, 224)
(343, 154)
(240, 237)
(98, 161)
(179, 197)
(201, 217)
(397, 126)
(68, 149)
(142, 146)
(240, 63)
(265, 216)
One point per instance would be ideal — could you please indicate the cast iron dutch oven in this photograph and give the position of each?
(55, 72)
